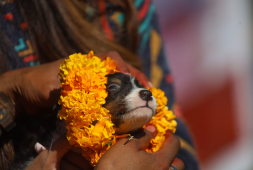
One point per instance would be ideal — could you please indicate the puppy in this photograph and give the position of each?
(130, 104)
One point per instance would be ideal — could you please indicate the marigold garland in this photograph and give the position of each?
(89, 124)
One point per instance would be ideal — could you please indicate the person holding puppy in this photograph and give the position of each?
(40, 33)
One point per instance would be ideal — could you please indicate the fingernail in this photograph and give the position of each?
(128, 74)
(151, 128)
(150, 84)
(39, 148)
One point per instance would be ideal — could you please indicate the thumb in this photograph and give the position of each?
(60, 147)
(145, 136)
(39, 148)
(170, 145)
(51, 159)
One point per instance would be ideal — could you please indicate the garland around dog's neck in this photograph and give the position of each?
(89, 124)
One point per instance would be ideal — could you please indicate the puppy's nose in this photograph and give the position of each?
(146, 95)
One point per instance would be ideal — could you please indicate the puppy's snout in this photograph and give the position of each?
(146, 95)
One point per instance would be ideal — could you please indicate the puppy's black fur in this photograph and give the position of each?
(17, 145)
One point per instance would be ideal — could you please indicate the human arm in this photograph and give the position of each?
(132, 155)
(35, 90)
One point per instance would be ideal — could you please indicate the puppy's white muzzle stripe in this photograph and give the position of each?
(139, 111)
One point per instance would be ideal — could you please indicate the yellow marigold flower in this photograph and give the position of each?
(160, 97)
(89, 124)
(163, 120)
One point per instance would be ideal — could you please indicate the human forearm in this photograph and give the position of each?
(8, 81)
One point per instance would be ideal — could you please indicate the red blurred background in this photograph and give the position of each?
(209, 44)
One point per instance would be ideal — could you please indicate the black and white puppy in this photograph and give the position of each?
(130, 104)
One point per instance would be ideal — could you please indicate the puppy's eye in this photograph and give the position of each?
(113, 87)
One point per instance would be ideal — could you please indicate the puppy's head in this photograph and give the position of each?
(130, 104)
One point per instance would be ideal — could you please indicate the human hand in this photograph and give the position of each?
(59, 157)
(132, 155)
(126, 68)
(129, 156)
(33, 90)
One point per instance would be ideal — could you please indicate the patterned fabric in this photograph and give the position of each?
(151, 51)
(15, 31)
(6, 112)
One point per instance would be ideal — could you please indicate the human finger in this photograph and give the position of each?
(60, 147)
(177, 164)
(39, 148)
(169, 148)
(126, 68)
(144, 137)
(50, 159)
(140, 76)
(78, 160)
(66, 165)
(120, 63)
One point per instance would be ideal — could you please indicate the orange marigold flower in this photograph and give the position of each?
(89, 124)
